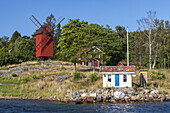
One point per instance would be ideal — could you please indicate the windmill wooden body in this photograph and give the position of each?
(44, 39)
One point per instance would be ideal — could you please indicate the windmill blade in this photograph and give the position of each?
(35, 21)
(60, 19)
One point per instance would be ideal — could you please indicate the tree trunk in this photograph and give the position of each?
(74, 67)
(153, 66)
(150, 49)
(93, 66)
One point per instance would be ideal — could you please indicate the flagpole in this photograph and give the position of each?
(127, 48)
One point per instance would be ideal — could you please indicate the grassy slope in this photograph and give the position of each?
(47, 85)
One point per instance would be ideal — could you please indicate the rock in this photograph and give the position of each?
(154, 92)
(76, 102)
(89, 99)
(99, 98)
(147, 91)
(167, 97)
(99, 91)
(74, 94)
(119, 94)
(127, 98)
(84, 95)
(155, 95)
(82, 90)
(132, 92)
(163, 97)
(52, 63)
(112, 99)
(93, 95)
(68, 90)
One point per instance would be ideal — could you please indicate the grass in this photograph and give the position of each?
(43, 83)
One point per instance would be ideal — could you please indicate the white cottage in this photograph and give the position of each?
(117, 76)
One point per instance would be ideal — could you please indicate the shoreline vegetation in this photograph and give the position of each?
(56, 81)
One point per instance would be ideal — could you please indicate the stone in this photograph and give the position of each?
(119, 94)
(99, 98)
(84, 95)
(127, 98)
(68, 91)
(93, 95)
(155, 95)
(82, 90)
(74, 94)
(90, 99)
(154, 92)
(163, 97)
(112, 99)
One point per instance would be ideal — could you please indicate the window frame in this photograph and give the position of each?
(125, 78)
(109, 78)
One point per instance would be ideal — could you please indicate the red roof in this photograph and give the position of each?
(117, 69)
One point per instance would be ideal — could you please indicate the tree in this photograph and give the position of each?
(148, 24)
(50, 21)
(15, 36)
(71, 41)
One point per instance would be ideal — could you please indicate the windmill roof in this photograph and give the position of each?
(40, 30)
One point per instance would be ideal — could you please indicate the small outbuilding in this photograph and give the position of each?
(117, 76)
(143, 74)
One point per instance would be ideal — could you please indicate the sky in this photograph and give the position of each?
(14, 14)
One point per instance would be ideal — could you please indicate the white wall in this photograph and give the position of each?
(121, 83)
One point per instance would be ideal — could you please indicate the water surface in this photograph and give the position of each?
(29, 106)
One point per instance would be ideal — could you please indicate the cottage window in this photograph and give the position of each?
(98, 56)
(109, 78)
(124, 78)
(79, 57)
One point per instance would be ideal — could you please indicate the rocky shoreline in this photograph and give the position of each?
(102, 96)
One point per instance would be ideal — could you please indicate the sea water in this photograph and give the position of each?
(30, 106)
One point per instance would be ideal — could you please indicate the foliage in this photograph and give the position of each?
(77, 75)
(14, 75)
(93, 77)
(157, 75)
(34, 76)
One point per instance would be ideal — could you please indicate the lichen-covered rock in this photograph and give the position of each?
(119, 94)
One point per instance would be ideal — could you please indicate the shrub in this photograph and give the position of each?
(93, 77)
(63, 67)
(158, 75)
(34, 76)
(14, 75)
(77, 75)
(4, 68)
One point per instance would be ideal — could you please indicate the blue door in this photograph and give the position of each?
(116, 79)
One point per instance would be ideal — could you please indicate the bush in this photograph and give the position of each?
(158, 75)
(34, 76)
(63, 67)
(93, 77)
(14, 75)
(77, 75)
(4, 68)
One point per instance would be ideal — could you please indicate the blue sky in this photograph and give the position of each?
(14, 14)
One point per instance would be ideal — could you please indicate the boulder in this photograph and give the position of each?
(68, 91)
(84, 95)
(82, 90)
(112, 99)
(127, 98)
(99, 98)
(93, 95)
(163, 97)
(90, 99)
(75, 95)
(119, 94)
(154, 92)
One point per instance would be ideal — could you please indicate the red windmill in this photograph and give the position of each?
(44, 38)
